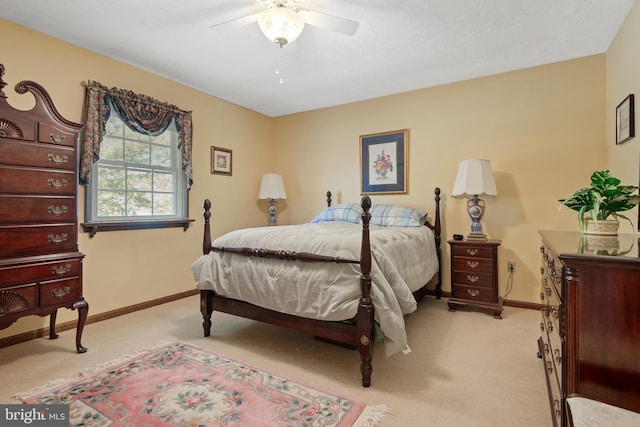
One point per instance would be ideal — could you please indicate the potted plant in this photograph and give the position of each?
(603, 201)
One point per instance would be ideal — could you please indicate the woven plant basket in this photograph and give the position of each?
(603, 227)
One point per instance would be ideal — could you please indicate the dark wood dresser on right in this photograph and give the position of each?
(590, 340)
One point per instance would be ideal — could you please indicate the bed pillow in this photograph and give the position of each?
(345, 212)
(397, 216)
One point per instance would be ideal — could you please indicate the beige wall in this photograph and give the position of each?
(123, 268)
(544, 129)
(532, 124)
(623, 78)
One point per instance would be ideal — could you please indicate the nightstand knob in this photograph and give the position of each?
(473, 264)
(473, 279)
(473, 292)
(472, 252)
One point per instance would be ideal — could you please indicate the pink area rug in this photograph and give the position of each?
(179, 384)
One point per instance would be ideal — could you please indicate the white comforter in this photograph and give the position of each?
(403, 260)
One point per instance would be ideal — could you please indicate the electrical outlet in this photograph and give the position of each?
(511, 266)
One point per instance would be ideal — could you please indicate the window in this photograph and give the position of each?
(139, 179)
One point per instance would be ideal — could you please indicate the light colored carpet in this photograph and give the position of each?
(466, 368)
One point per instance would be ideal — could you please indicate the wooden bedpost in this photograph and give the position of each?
(365, 316)
(206, 242)
(437, 228)
(206, 302)
(328, 199)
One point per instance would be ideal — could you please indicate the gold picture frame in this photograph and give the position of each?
(221, 161)
(384, 159)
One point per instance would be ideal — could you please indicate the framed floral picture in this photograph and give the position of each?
(383, 162)
(220, 161)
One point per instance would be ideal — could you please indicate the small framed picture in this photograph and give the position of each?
(383, 162)
(625, 120)
(220, 161)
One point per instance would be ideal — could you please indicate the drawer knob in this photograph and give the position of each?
(56, 138)
(473, 292)
(58, 158)
(57, 239)
(473, 264)
(472, 251)
(472, 279)
(57, 183)
(61, 269)
(57, 210)
(59, 293)
(558, 356)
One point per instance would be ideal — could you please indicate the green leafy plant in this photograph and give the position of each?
(605, 198)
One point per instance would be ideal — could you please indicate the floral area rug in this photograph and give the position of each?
(178, 384)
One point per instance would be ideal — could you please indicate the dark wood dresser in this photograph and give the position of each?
(590, 321)
(474, 275)
(40, 265)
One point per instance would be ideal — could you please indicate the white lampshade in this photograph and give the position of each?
(272, 187)
(281, 24)
(474, 178)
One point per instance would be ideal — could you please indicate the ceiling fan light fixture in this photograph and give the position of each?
(280, 24)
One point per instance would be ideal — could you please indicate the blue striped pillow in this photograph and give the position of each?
(397, 216)
(345, 212)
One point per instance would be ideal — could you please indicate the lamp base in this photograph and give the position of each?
(476, 237)
(272, 209)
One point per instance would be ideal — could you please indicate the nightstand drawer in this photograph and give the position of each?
(473, 264)
(473, 278)
(473, 293)
(472, 251)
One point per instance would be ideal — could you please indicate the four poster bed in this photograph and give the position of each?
(347, 277)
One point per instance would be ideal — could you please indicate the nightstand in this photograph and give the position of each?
(474, 275)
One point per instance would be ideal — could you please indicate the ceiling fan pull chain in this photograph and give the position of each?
(279, 68)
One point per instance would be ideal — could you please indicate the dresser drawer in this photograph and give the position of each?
(472, 251)
(473, 264)
(54, 135)
(473, 278)
(36, 209)
(473, 293)
(32, 273)
(16, 299)
(35, 240)
(16, 180)
(61, 291)
(37, 155)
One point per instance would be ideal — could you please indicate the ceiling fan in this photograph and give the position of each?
(282, 21)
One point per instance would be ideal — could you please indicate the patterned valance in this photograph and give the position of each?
(140, 113)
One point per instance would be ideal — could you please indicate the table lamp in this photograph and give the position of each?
(272, 188)
(475, 180)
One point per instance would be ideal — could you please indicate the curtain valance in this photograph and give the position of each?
(141, 113)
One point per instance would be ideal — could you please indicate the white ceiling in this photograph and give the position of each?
(400, 45)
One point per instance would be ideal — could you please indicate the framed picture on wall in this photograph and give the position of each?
(625, 120)
(384, 161)
(221, 161)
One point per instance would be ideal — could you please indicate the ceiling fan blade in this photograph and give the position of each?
(340, 25)
(238, 22)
